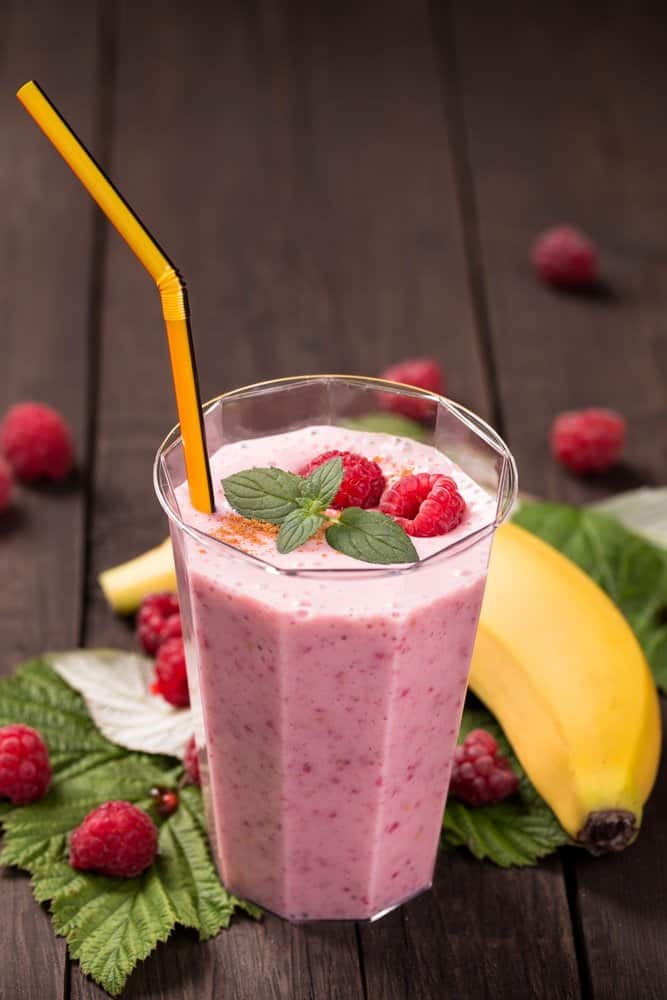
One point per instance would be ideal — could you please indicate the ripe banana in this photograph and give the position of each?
(559, 667)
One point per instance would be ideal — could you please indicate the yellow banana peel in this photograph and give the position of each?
(562, 671)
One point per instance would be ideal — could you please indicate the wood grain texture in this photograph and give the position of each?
(580, 138)
(481, 932)
(45, 253)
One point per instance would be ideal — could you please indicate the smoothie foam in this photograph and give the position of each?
(328, 692)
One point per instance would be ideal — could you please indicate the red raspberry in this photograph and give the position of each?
(425, 373)
(116, 839)
(363, 480)
(565, 257)
(481, 775)
(6, 483)
(424, 505)
(25, 770)
(588, 440)
(37, 442)
(170, 677)
(155, 621)
(191, 762)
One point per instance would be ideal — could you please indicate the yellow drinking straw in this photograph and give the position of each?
(166, 277)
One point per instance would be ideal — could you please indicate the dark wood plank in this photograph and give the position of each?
(45, 265)
(472, 937)
(579, 138)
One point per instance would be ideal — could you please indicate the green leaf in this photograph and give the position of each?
(324, 482)
(388, 423)
(629, 568)
(372, 537)
(296, 529)
(110, 924)
(643, 511)
(518, 831)
(265, 494)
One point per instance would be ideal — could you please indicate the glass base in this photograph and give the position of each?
(361, 919)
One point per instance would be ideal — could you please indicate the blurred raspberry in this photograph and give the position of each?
(37, 442)
(424, 373)
(170, 676)
(588, 440)
(565, 257)
(191, 762)
(6, 484)
(158, 619)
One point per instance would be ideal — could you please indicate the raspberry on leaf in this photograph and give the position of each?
(115, 839)
(25, 768)
(480, 774)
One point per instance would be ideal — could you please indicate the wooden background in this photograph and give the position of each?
(341, 184)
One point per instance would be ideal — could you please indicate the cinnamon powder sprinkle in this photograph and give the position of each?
(244, 532)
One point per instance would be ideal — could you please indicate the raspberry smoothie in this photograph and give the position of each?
(328, 691)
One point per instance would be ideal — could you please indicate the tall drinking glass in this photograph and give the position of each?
(327, 701)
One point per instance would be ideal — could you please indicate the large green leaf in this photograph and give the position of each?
(110, 924)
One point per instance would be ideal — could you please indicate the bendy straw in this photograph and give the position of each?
(169, 283)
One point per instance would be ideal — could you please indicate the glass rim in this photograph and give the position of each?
(506, 492)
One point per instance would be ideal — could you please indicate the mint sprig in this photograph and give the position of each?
(299, 504)
(110, 924)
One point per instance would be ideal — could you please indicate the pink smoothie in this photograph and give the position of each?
(328, 692)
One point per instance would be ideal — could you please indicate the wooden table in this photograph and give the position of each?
(342, 184)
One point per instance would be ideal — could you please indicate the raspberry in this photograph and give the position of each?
(25, 770)
(425, 373)
(588, 440)
(191, 762)
(170, 677)
(363, 480)
(424, 505)
(116, 838)
(6, 483)
(481, 775)
(155, 621)
(565, 257)
(37, 442)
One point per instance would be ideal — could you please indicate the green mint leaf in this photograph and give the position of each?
(518, 831)
(265, 494)
(628, 567)
(296, 529)
(110, 924)
(372, 537)
(324, 482)
(643, 511)
(388, 423)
